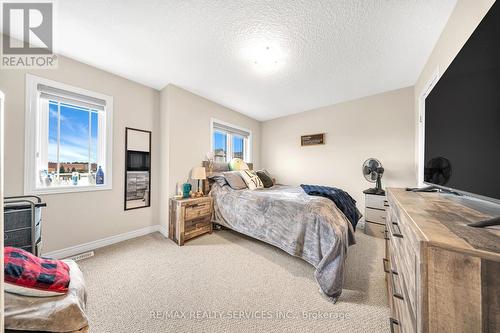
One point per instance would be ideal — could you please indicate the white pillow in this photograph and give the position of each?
(251, 179)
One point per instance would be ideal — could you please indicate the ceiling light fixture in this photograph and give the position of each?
(266, 58)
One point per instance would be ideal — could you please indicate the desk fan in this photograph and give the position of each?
(373, 171)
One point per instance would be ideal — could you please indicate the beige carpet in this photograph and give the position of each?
(225, 282)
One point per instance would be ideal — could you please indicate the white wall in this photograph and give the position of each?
(75, 218)
(185, 122)
(380, 126)
(463, 21)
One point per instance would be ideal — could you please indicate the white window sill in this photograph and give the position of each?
(69, 189)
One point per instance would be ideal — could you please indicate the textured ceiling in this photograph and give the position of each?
(321, 52)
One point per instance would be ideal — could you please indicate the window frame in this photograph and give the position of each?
(31, 124)
(247, 142)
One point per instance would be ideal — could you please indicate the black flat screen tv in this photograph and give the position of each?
(462, 117)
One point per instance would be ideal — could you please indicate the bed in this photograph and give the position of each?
(308, 227)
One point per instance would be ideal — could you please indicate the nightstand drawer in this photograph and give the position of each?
(196, 232)
(198, 210)
(376, 201)
(197, 223)
(375, 215)
(374, 229)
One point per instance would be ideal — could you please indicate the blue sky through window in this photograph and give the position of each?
(74, 134)
(220, 140)
(238, 146)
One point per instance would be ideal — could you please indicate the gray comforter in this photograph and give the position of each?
(311, 228)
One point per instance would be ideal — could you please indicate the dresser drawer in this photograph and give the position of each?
(405, 320)
(198, 210)
(387, 269)
(374, 229)
(409, 233)
(375, 215)
(395, 279)
(399, 298)
(405, 323)
(375, 201)
(395, 326)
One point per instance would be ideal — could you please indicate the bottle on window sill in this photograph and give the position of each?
(99, 177)
(92, 178)
(74, 178)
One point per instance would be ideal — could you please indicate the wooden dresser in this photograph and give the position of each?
(189, 218)
(442, 276)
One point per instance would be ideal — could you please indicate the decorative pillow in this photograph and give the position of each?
(28, 275)
(234, 180)
(218, 178)
(238, 164)
(265, 177)
(251, 179)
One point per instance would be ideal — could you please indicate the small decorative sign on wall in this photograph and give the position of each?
(312, 140)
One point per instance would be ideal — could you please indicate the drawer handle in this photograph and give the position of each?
(398, 233)
(384, 261)
(393, 322)
(386, 233)
(394, 293)
(386, 203)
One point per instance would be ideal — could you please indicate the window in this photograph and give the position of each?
(68, 138)
(238, 146)
(229, 141)
(220, 146)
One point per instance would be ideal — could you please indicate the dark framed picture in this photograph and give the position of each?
(312, 140)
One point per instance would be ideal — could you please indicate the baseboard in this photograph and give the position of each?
(163, 230)
(77, 249)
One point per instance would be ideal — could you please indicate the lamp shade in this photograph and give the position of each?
(198, 173)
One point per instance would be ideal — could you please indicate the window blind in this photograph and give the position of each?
(69, 97)
(232, 130)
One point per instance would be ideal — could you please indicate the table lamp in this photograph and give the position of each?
(199, 174)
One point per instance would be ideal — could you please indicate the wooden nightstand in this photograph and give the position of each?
(375, 215)
(189, 218)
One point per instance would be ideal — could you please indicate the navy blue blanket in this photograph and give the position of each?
(342, 199)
